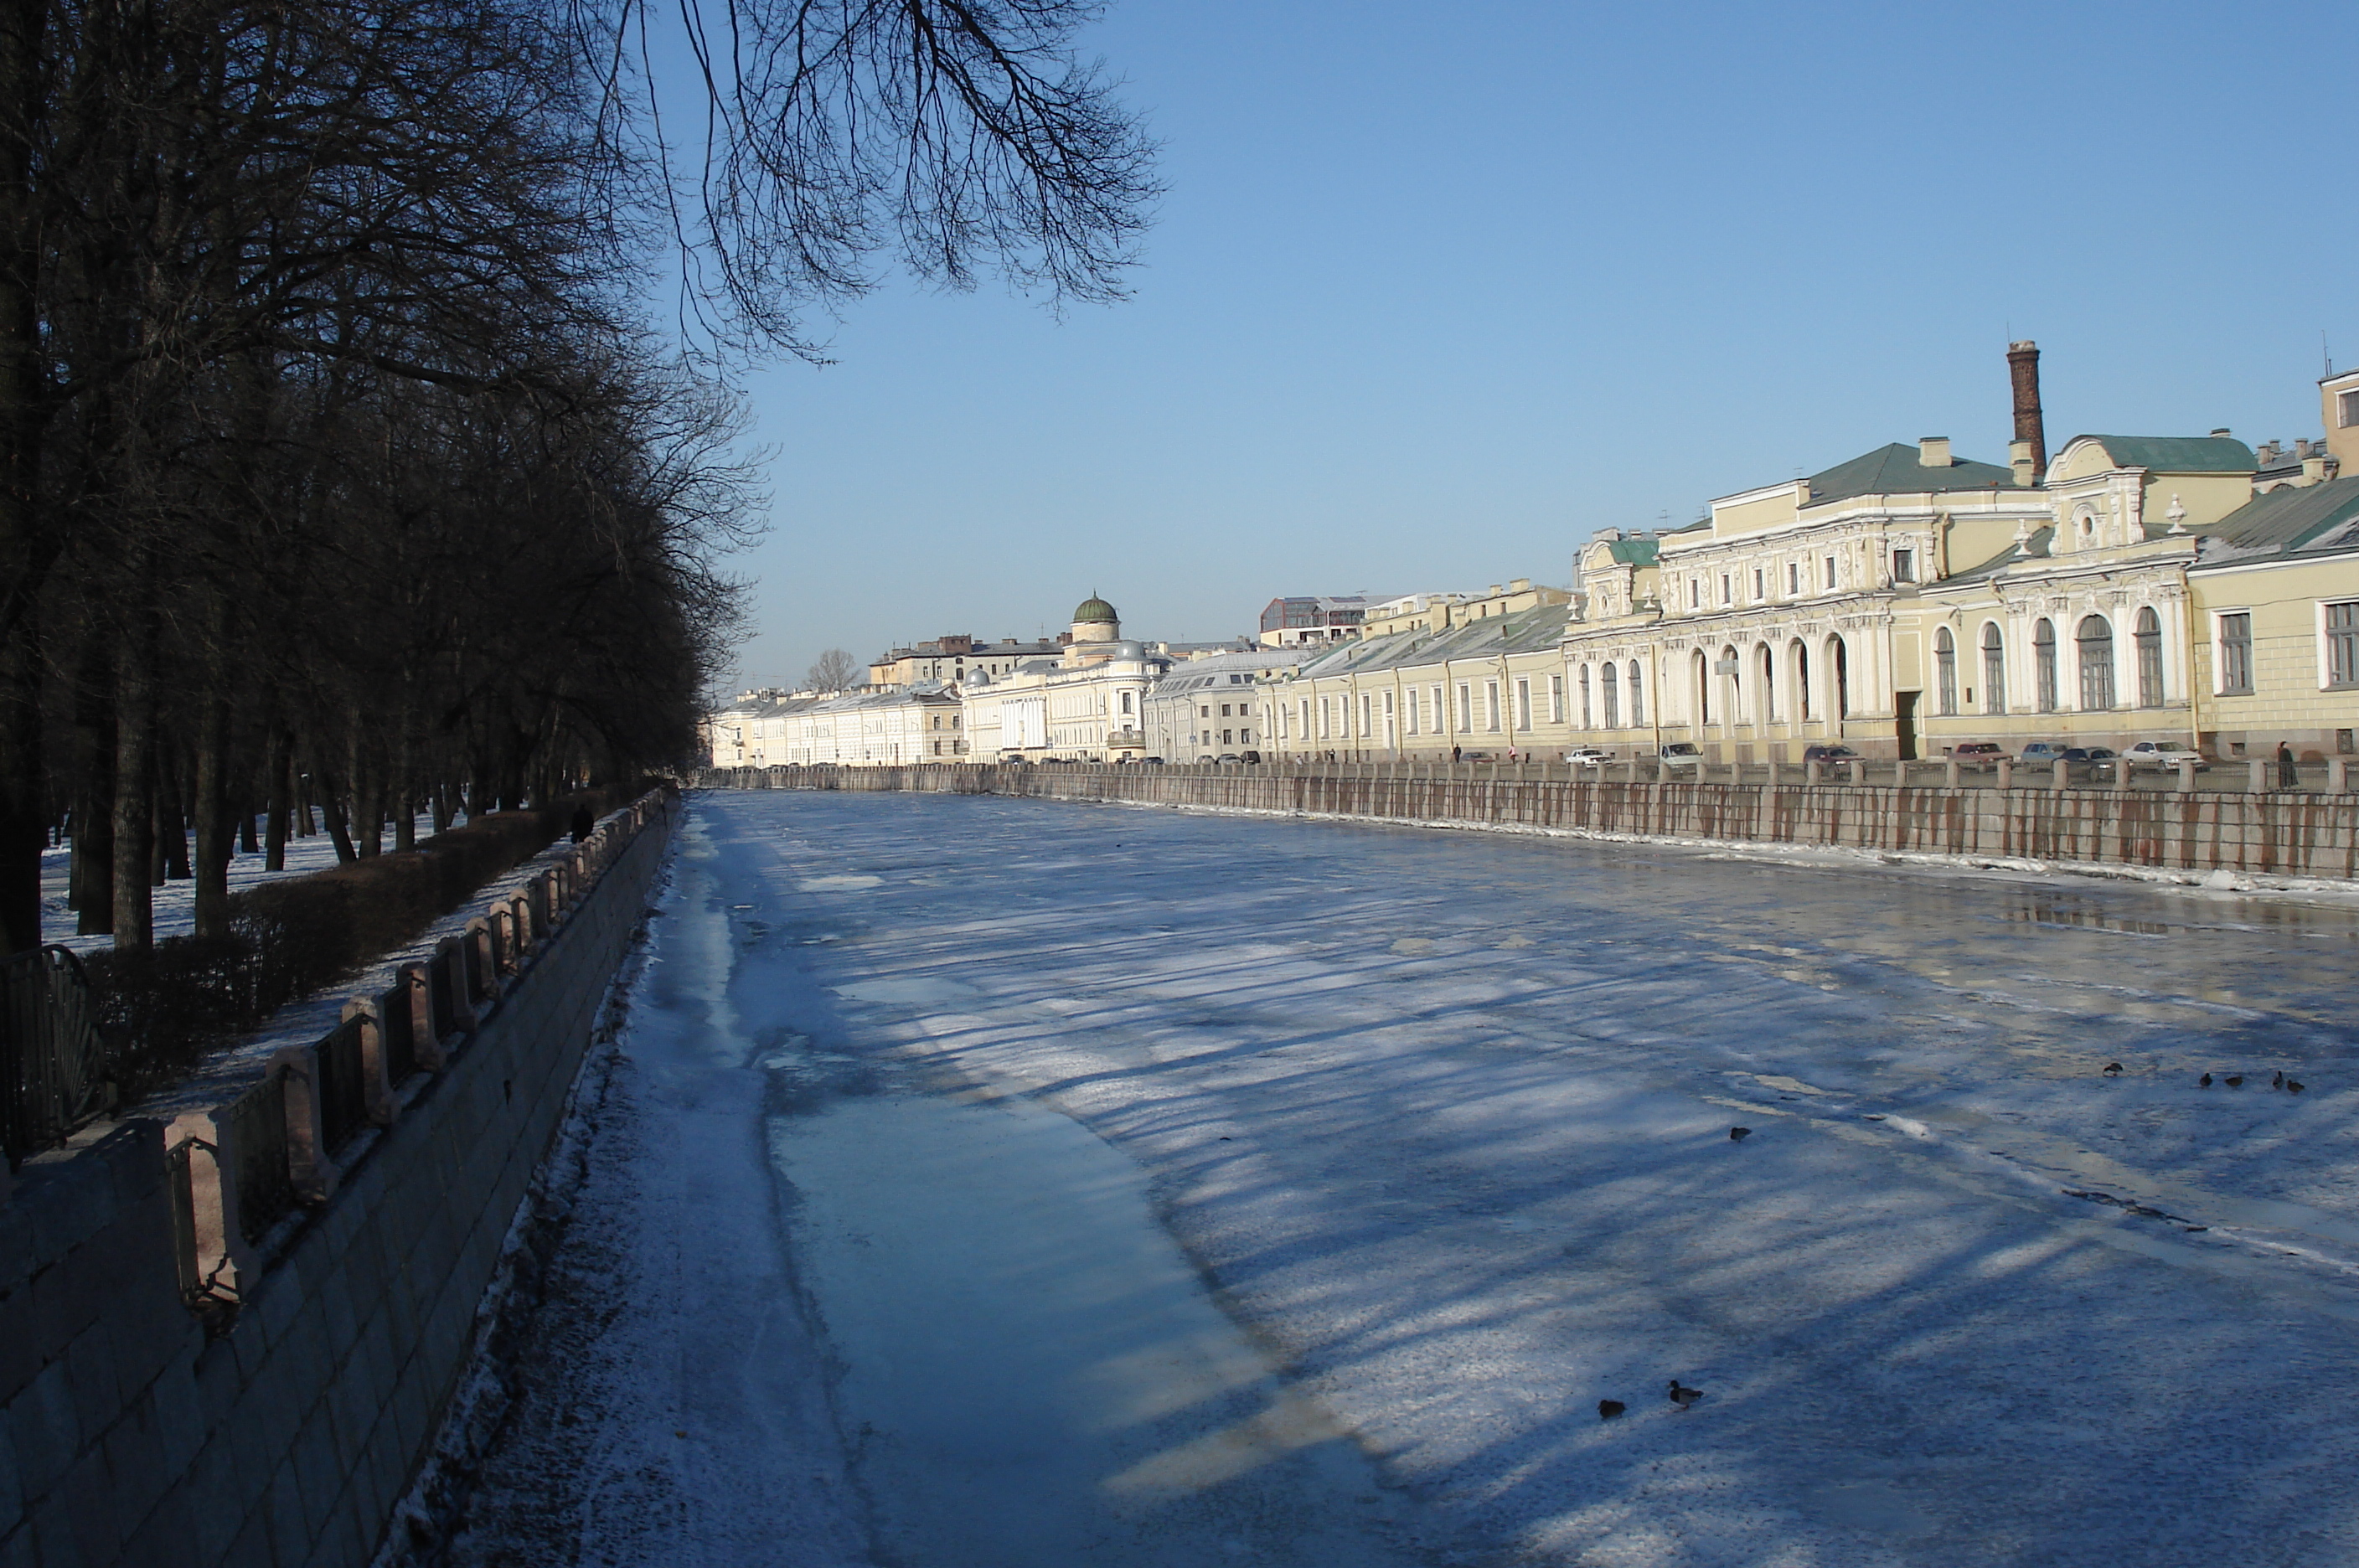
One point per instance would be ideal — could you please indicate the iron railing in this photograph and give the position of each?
(53, 1063)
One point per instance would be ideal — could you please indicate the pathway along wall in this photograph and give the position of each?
(165, 1403)
(2286, 835)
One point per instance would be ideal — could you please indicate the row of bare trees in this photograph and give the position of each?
(333, 467)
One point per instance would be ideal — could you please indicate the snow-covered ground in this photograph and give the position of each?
(988, 1181)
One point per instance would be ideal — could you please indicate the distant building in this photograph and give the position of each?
(1207, 706)
(859, 729)
(1312, 619)
(950, 660)
(1087, 704)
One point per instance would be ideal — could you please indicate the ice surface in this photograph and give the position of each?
(1438, 1125)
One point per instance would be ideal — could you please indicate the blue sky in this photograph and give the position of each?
(1438, 290)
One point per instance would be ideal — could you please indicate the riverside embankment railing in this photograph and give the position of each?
(1931, 808)
(246, 1173)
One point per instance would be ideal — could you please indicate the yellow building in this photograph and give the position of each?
(2275, 589)
(1491, 681)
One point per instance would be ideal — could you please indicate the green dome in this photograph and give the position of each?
(1094, 611)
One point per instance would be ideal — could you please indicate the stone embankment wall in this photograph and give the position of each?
(2275, 834)
(278, 1426)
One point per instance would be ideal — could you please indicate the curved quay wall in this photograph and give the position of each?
(231, 1341)
(2254, 831)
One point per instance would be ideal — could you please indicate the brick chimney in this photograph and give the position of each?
(2023, 370)
(1933, 451)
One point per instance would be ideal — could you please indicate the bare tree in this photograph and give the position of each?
(835, 670)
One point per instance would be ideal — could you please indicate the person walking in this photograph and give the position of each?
(2288, 777)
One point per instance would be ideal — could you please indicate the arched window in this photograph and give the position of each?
(1801, 681)
(2095, 637)
(1585, 696)
(1702, 689)
(1609, 688)
(1734, 692)
(2149, 658)
(1945, 671)
(1839, 656)
(2043, 659)
(1993, 669)
(1637, 696)
(1767, 688)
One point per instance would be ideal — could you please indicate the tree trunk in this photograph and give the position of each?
(332, 807)
(282, 798)
(171, 822)
(212, 813)
(94, 847)
(134, 767)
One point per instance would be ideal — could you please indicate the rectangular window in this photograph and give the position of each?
(1408, 712)
(1760, 585)
(1326, 716)
(1556, 699)
(1831, 573)
(1440, 720)
(1695, 594)
(1904, 566)
(1491, 706)
(1794, 578)
(1727, 596)
(1366, 728)
(2342, 645)
(2349, 404)
(1523, 704)
(1465, 708)
(2236, 653)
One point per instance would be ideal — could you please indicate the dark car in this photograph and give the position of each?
(1251, 756)
(1829, 754)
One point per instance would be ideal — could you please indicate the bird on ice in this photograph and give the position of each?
(1608, 1408)
(1738, 1135)
(2204, 1081)
(1682, 1396)
(2113, 1069)
(2236, 1081)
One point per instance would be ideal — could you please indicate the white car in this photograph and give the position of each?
(2165, 755)
(1589, 757)
(1678, 754)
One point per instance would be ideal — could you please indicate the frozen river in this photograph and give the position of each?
(988, 1183)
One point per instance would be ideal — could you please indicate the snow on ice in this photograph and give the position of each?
(1000, 1181)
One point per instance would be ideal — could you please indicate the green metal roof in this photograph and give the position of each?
(2177, 454)
(1895, 470)
(2291, 521)
(1095, 612)
(1634, 551)
(1487, 637)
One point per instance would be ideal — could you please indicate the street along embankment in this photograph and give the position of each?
(230, 1341)
(2198, 831)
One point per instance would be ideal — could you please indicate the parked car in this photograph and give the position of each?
(2096, 759)
(1983, 755)
(1227, 757)
(1680, 754)
(1150, 762)
(1474, 756)
(2165, 755)
(1589, 757)
(1831, 756)
(1251, 757)
(2042, 754)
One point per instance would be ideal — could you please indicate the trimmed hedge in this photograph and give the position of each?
(164, 1009)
